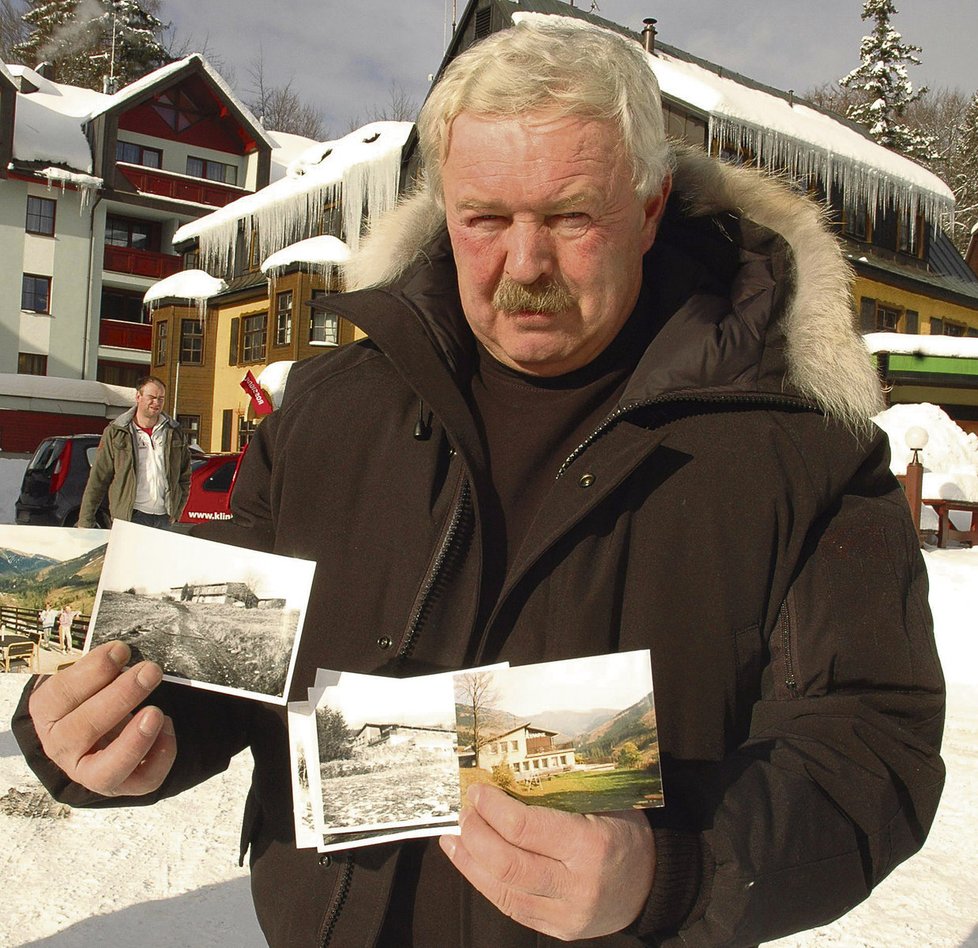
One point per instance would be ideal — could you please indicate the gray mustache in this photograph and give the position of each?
(513, 297)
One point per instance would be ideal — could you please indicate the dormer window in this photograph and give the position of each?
(177, 109)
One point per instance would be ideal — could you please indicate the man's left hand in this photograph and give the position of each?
(568, 875)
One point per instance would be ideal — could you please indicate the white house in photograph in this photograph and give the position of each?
(528, 751)
(404, 735)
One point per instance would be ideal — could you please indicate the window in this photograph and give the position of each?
(191, 425)
(246, 430)
(254, 332)
(954, 329)
(855, 223)
(119, 373)
(887, 319)
(123, 305)
(35, 294)
(134, 154)
(30, 363)
(177, 109)
(40, 215)
(323, 326)
(212, 170)
(161, 333)
(283, 318)
(191, 342)
(132, 233)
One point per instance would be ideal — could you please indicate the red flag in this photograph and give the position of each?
(259, 399)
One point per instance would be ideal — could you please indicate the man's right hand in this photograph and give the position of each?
(84, 718)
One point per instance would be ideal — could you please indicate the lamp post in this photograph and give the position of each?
(916, 439)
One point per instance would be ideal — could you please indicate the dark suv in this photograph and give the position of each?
(55, 480)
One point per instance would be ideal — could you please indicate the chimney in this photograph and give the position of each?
(648, 34)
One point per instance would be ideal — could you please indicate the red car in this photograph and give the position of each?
(211, 482)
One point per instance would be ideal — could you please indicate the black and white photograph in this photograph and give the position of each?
(577, 735)
(387, 755)
(214, 616)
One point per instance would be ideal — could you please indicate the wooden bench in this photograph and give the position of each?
(945, 531)
(27, 651)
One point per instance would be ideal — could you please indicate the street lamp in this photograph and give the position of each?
(916, 439)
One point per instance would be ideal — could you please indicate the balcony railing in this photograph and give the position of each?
(147, 263)
(180, 187)
(123, 335)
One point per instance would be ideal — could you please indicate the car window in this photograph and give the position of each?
(220, 480)
(46, 454)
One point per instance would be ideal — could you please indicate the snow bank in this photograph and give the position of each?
(950, 457)
(192, 285)
(900, 343)
(321, 254)
(272, 379)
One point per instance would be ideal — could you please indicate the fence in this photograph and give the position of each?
(25, 622)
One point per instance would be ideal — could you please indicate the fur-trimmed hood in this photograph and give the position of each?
(825, 359)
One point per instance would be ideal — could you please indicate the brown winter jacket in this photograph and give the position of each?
(738, 519)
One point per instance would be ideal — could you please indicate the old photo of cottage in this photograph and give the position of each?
(576, 735)
(387, 756)
(214, 616)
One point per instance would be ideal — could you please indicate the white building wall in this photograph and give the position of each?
(175, 156)
(13, 211)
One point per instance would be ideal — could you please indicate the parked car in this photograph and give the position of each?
(211, 482)
(54, 482)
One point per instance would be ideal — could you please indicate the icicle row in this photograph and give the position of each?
(860, 184)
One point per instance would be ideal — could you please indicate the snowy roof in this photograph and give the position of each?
(187, 285)
(361, 170)
(49, 123)
(962, 347)
(160, 76)
(46, 387)
(792, 135)
(316, 250)
(286, 148)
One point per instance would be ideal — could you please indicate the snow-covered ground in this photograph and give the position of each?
(167, 876)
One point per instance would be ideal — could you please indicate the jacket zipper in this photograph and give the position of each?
(784, 617)
(771, 400)
(429, 590)
(339, 897)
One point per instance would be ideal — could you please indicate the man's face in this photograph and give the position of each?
(149, 402)
(548, 236)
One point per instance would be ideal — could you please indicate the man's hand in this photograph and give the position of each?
(84, 719)
(566, 875)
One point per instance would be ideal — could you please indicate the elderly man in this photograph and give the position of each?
(142, 462)
(607, 403)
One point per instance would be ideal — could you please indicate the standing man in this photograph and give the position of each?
(47, 618)
(609, 401)
(143, 462)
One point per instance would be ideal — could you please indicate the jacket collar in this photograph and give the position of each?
(127, 417)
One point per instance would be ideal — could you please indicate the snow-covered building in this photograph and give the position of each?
(260, 261)
(909, 278)
(92, 189)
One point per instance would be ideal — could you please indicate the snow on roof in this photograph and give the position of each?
(48, 125)
(361, 170)
(796, 137)
(324, 253)
(272, 379)
(159, 76)
(900, 343)
(286, 148)
(193, 285)
(47, 387)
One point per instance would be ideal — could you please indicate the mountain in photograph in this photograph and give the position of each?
(15, 563)
(78, 571)
(635, 724)
(568, 723)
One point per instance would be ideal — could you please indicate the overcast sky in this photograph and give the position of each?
(343, 55)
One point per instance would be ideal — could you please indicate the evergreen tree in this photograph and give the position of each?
(884, 86)
(86, 41)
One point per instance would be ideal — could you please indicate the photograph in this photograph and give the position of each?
(213, 616)
(577, 735)
(48, 582)
(387, 755)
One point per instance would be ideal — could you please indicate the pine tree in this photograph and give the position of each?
(884, 86)
(86, 41)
